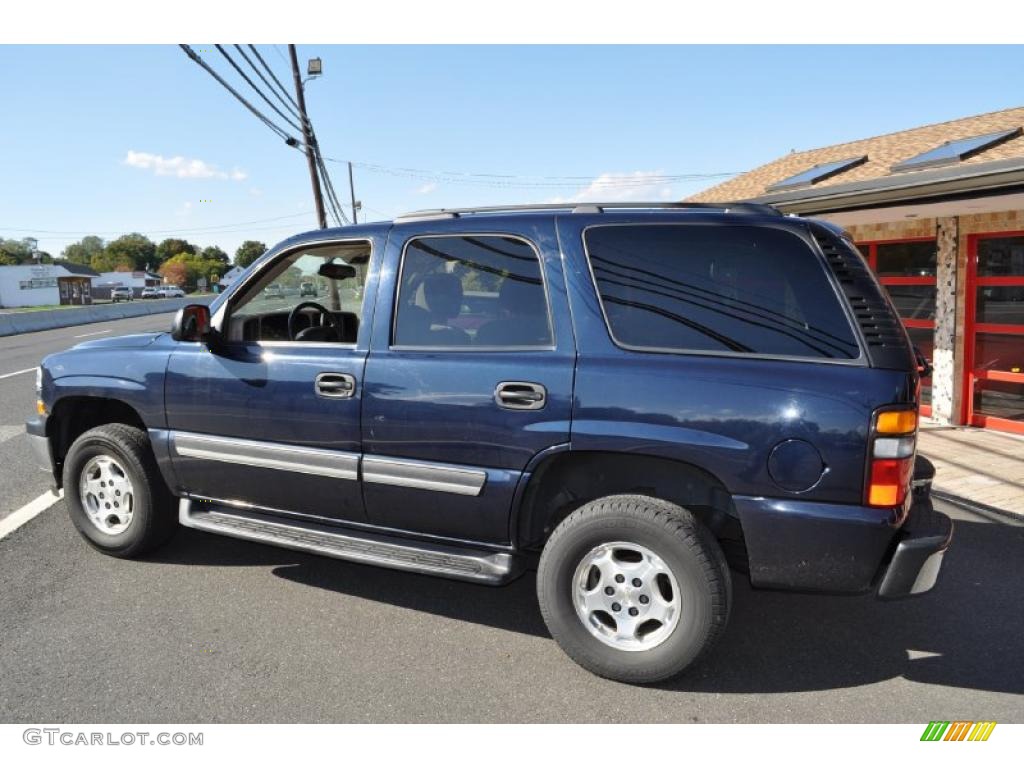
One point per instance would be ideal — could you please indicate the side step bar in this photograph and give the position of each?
(477, 565)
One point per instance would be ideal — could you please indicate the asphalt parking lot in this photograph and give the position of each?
(211, 629)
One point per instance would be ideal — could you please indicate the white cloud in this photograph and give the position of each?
(647, 186)
(179, 166)
(426, 189)
(185, 209)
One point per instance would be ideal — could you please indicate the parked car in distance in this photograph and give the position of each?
(121, 294)
(307, 288)
(643, 402)
(171, 292)
(150, 292)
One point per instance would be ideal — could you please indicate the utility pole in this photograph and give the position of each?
(352, 193)
(307, 135)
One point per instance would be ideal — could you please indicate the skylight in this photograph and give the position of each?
(956, 150)
(817, 173)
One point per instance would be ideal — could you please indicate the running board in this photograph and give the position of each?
(477, 565)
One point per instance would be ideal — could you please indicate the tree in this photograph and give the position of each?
(214, 253)
(248, 252)
(83, 251)
(7, 260)
(174, 272)
(104, 261)
(172, 246)
(135, 248)
(189, 268)
(15, 251)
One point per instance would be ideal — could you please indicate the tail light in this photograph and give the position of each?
(891, 462)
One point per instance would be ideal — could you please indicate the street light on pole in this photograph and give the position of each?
(307, 135)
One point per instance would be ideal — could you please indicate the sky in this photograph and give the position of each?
(112, 139)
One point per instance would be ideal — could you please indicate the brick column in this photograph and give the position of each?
(944, 381)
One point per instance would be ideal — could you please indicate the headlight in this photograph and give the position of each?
(39, 381)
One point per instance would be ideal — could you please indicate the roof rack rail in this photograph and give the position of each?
(454, 213)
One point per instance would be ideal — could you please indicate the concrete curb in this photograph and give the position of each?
(14, 323)
(985, 510)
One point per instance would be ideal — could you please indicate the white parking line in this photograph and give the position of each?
(15, 373)
(94, 333)
(15, 520)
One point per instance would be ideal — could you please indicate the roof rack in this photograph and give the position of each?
(454, 213)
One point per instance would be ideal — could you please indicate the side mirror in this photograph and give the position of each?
(924, 366)
(191, 323)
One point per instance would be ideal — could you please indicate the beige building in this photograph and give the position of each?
(938, 211)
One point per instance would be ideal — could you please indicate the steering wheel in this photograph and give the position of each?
(293, 316)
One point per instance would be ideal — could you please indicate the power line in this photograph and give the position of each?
(266, 82)
(253, 85)
(530, 182)
(270, 72)
(213, 229)
(511, 177)
(259, 115)
(332, 198)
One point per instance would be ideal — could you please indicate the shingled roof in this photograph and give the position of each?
(883, 152)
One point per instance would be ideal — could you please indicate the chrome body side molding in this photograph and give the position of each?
(407, 473)
(254, 453)
(424, 475)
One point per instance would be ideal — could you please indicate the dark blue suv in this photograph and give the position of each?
(631, 399)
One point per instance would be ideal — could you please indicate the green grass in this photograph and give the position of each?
(48, 307)
(40, 308)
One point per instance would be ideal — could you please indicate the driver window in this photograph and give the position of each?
(313, 294)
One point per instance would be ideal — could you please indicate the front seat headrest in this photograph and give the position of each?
(442, 293)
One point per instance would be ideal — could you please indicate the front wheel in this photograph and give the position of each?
(634, 588)
(114, 492)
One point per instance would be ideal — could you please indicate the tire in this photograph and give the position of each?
(684, 566)
(121, 454)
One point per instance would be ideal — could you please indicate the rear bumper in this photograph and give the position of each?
(815, 547)
(916, 561)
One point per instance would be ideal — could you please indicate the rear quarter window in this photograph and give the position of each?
(722, 289)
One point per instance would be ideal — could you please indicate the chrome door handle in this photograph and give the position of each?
(521, 395)
(336, 385)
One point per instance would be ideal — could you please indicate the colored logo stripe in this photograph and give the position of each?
(959, 730)
(982, 731)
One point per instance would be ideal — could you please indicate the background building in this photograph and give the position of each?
(230, 276)
(34, 285)
(104, 282)
(938, 211)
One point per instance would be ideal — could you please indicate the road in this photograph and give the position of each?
(211, 629)
(19, 355)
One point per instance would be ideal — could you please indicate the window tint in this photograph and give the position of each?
(483, 291)
(906, 259)
(717, 288)
(913, 302)
(1000, 256)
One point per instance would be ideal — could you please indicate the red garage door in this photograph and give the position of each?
(907, 270)
(994, 365)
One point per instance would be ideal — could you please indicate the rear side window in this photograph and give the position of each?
(738, 289)
(472, 291)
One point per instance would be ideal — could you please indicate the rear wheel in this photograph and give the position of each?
(634, 588)
(114, 492)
